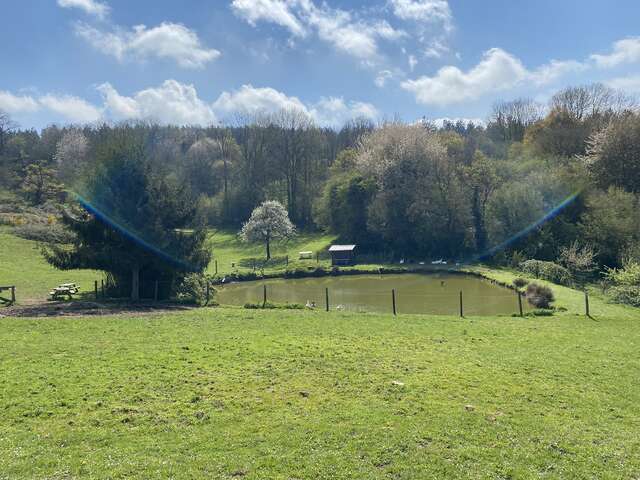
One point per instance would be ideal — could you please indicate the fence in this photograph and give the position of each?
(394, 302)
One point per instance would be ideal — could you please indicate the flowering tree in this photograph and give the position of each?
(269, 221)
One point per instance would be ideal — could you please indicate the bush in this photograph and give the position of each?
(547, 271)
(627, 294)
(193, 289)
(50, 233)
(520, 282)
(626, 284)
(271, 306)
(539, 296)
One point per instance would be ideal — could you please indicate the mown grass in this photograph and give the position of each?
(235, 256)
(229, 393)
(22, 265)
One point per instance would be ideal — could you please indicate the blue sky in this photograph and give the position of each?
(205, 62)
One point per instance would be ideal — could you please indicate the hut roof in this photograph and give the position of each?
(342, 248)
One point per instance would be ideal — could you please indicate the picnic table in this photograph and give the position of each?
(64, 290)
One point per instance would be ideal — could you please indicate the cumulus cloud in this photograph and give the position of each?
(92, 7)
(334, 111)
(72, 108)
(170, 103)
(275, 11)
(11, 103)
(336, 27)
(431, 11)
(167, 41)
(498, 70)
(328, 111)
(624, 52)
(382, 78)
(630, 84)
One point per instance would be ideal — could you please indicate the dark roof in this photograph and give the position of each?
(342, 248)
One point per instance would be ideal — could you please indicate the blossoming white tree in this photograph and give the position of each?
(269, 221)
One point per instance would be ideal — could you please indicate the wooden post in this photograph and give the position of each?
(287, 259)
(326, 298)
(461, 311)
(586, 303)
(102, 288)
(155, 291)
(95, 285)
(207, 292)
(264, 296)
(317, 257)
(520, 302)
(13, 294)
(393, 300)
(216, 263)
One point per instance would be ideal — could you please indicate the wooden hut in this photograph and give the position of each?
(343, 254)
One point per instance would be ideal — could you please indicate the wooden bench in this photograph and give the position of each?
(8, 301)
(64, 290)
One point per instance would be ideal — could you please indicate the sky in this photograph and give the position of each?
(204, 62)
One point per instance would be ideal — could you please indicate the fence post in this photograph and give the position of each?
(13, 294)
(95, 288)
(155, 291)
(461, 311)
(393, 300)
(264, 296)
(586, 303)
(207, 292)
(102, 288)
(216, 264)
(326, 298)
(520, 302)
(317, 257)
(287, 260)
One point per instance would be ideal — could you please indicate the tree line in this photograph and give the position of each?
(458, 190)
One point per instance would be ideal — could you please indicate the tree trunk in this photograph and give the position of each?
(135, 283)
(268, 250)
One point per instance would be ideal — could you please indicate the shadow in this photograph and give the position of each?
(53, 308)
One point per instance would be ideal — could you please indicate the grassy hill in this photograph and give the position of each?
(22, 265)
(230, 393)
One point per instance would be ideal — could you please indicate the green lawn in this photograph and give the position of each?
(22, 265)
(233, 255)
(230, 393)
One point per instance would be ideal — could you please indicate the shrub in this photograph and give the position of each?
(547, 271)
(539, 296)
(540, 312)
(43, 233)
(520, 282)
(193, 289)
(627, 294)
(271, 306)
(626, 284)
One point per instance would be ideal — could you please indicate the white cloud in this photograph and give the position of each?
(248, 100)
(413, 61)
(92, 7)
(72, 108)
(334, 111)
(431, 11)
(168, 41)
(171, 103)
(630, 84)
(624, 51)
(11, 103)
(497, 71)
(275, 11)
(336, 27)
(328, 111)
(435, 49)
(383, 76)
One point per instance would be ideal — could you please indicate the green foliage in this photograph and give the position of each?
(547, 271)
(274, 306)
(193, 288)
(134, 220)
(38, 232)
(40, 184)
(626, 284)
(540, 296)
(520, 282)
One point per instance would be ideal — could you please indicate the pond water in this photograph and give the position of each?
(433, 293)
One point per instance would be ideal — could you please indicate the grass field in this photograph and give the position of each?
(234, 393)
(22, 265)
(228, 393)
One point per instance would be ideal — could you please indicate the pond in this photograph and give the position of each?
(433, 293)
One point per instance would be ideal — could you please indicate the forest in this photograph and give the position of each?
(556, 183)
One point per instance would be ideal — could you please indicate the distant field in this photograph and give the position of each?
(230, 393)
(236, 256)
